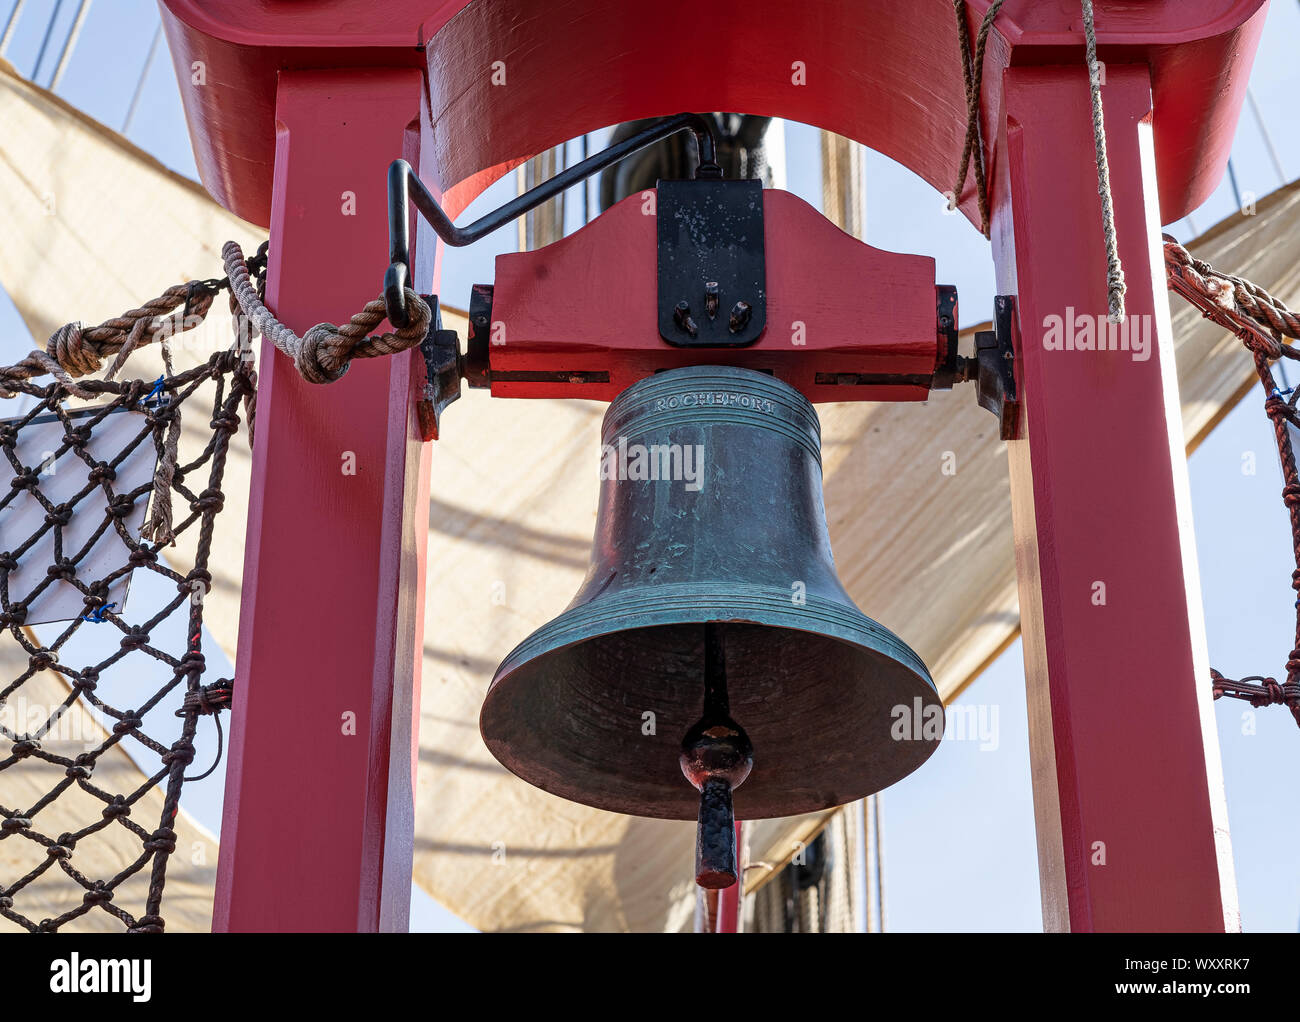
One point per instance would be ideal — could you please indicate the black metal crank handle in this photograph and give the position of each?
(405, 186)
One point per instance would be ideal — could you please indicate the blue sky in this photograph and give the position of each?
(959, 836)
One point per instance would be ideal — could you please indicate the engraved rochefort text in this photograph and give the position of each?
(715, 399)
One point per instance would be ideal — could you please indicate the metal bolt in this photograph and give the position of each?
(682, 317)
(711, 298)
(740, 313)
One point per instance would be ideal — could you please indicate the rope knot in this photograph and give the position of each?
(116, 808)
(103, 472)
(42, 659)
(317, 358)
(60, 514)
(136, 638)
(161, 840)
(24, 481)
(68, 347)
(121, 505)
(200, 575)
(227, 423)
(98, 894)
(62, 569)
(77, 436)
(209, 699)
(127, 724)
(182, 752)
(142, 555)
(209, 500)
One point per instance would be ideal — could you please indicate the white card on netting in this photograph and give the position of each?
(61, 479)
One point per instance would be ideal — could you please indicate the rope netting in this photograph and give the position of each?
(102, 495)
(1261, 322)
(85, 460)
(74, 484)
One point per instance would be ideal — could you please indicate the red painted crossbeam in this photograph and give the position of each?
(845, 321)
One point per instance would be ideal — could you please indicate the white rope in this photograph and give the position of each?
(1115, 286)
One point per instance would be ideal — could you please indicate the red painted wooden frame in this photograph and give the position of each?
(1128, 789)
(318, 824)
(589, 304)
(883, 73)
(1123, 745)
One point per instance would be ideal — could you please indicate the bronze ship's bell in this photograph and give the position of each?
(712, 610)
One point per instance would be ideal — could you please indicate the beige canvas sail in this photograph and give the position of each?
(927, 554)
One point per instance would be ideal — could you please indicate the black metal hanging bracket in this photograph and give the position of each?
(444, 365)
(711, 262)
(992, 368)
(405, 187)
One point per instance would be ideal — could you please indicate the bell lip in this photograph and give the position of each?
(686, 603)
(549, 639)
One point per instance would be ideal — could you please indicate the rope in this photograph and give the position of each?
(1260, 321)
(1115, 287)
(972, 66)
(1237, 298)
(322, 354)
(209, 699)
(73, 350)
(46, 564)
(973, 76)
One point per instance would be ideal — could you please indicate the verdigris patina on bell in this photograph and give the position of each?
(710, 514)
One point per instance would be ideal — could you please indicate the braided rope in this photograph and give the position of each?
(972, 65)
(1234, 295)
(1259, 320)
(73, 350)
(973, 75)
(1115, 286)
(322, 354)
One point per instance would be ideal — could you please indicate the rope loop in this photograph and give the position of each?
(323, 353)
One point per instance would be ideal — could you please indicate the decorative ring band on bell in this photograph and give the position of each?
(711, 511)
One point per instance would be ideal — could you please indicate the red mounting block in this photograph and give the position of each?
(845, 321)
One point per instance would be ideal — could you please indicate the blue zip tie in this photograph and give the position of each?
(97, 615)
(1279, 394)
(155, 396)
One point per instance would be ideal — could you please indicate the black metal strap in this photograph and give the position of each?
(405, 187)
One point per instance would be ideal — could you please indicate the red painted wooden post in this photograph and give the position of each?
(1128, 790)
(318, 825)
